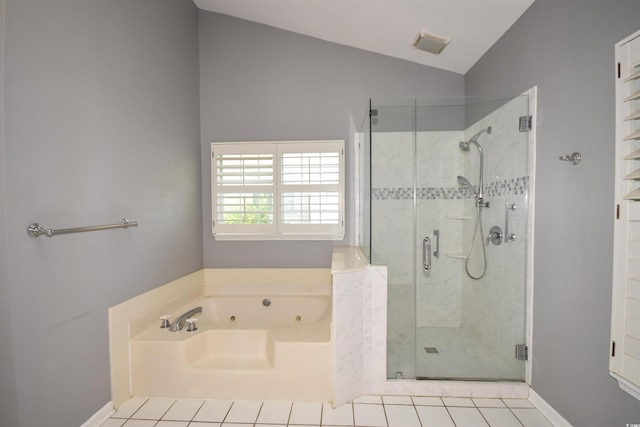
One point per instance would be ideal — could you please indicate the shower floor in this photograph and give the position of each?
(447, 353)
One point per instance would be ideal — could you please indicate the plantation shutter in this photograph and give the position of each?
(278, 190)
(310, 187)
(624, 362)
(243, 188)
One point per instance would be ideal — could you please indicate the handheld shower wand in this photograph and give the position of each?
(464, 182)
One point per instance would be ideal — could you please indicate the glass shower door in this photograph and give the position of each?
(470, 315)
(393, 232)
(442, 324)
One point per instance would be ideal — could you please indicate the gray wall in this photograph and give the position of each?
(101, 122)
(262, 83)
(567, 49)
(8, 394)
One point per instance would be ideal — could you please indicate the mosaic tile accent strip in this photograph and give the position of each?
(507, 187)
(392, 193)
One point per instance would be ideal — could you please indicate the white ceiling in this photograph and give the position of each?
(388, 27)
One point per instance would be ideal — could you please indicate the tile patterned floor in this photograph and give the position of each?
(366, 411)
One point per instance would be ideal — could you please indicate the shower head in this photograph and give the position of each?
(464, 182)
(464, 145)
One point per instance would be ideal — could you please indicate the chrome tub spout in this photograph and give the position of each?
(180, 321)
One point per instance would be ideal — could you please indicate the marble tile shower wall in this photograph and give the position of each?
(492, 308)
(359, 332)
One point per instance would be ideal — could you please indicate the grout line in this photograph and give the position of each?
(290, 412)
(449, 413)
(320, 424)
(514, 414)
(233, 402)
(416, 411)
(167, 411)
(384, 409)
(481, 414)
(136, 411)
(353, 412)
(258, 414)
(196, 413)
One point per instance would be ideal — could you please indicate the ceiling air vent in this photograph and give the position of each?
(430, 42)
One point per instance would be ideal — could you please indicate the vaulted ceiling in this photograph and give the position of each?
(388, 27)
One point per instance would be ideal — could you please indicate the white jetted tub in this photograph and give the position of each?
(254, 340)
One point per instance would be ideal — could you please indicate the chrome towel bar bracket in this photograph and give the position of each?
(35, 230)
(574, 158)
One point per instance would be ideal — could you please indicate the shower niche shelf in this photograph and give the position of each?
(462, 217)
(457, 256)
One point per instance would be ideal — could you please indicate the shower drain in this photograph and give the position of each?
(431, 350)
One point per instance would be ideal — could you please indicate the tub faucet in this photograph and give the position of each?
(180, 321)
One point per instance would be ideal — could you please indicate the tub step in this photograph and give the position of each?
(231, 363)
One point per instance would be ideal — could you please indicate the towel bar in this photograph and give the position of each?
(35, 230)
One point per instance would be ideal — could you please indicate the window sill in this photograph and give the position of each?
(301, 236)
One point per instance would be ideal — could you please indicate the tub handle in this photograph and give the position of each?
(165, 321)
(191, 324)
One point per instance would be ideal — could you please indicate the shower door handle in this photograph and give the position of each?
(508, 237)
(426, 253)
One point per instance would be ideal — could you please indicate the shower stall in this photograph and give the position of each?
(445, 199)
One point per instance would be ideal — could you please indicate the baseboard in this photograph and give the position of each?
(547, 410)
(100, 417)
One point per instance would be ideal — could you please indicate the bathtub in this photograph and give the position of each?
(244, 347)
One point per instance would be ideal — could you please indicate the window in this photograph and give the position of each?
(278, 190)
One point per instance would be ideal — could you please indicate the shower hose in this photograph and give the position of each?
(473, 240)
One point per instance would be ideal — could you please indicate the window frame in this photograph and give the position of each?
(278, 230)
